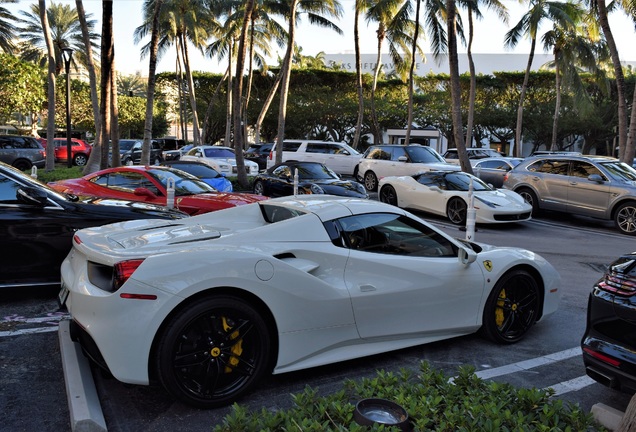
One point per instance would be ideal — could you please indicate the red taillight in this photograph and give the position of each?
(618, 283)
(602, 357)
(123, 271)
(271, 155)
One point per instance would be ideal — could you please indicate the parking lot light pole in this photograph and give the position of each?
(67, 55)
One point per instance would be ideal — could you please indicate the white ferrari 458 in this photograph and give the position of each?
(208, 304)
(446, 193)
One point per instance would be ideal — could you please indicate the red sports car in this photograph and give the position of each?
(149, 184)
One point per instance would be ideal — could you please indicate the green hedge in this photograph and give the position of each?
(434, 403)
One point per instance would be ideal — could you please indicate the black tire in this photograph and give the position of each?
(512, 307)
(80, 159)
(370, 181)
(388, 195)
(625, 218)
(259, 188)
(531, 198)
(456, 211)
(213, 352)
(22, 164)
(355, 174)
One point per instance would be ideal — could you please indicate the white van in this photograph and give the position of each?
(338, 156)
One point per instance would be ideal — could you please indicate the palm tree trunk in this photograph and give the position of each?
(205, 131)
(518, 150)
(375, 125)
(228, 114)
(50, 130)
(92, 164)
(409, 120)
(266, 104)
(196, 137)
(114, 109)
(150, 95)
(557, 105)
(356, 38)
(473, 82)
(284, 88)
(105, 87)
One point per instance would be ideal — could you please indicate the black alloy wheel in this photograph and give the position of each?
(512, 307)
(213, 351)
(456, 211)
(259, 188)
(388, 195)
(22, 165)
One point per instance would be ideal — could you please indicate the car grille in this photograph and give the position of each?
(512, 217)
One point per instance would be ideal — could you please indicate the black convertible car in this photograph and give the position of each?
(37, 225)
(313, 178)
(609, 343)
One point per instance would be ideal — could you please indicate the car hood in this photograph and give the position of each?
(339, 187)
(127, 209)
(503, 197)
(232, 199)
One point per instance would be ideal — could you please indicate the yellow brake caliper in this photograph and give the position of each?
(499, 313)
(237, 348)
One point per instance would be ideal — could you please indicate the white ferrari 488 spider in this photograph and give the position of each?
(447, 194)
(208, 304)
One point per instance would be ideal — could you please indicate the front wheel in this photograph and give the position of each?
(213, 352)
(388, 195)
(512, 308)
(625, 218)
(531, 198)
(456, 211)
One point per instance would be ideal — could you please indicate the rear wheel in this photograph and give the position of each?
(80, 160)
(370, 181)
(213, 352)
(456, 211)
(22, 164)
(259, 188)
(512, 307)
(625, 218)
(388, 195)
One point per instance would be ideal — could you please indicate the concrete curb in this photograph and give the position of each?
(83, 402)
(607, 416)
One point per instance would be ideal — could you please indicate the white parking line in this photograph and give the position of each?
(28, 331)
(571, 385)
(529, 364)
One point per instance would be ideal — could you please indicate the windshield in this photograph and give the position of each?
(200, 171)
(125, 145)
(620, 170)
(184, 183)
(314, 171)
(421, 154)
(461, 182)
(219, 153)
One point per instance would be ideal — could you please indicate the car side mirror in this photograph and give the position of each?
(31, 196)
(435, 188)
(402, 159)
(466, 256)
(144, 192)
(595, 178)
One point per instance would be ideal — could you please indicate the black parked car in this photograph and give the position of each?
(609, 343)
(130, 152)
(37, 225)
(313, 178)
(259, 153)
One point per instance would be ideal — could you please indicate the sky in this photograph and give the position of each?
(489, 36)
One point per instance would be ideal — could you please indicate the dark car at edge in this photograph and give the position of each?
(37, 225)
(609, 342)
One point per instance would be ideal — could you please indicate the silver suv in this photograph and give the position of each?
(596, 186)
(22, 152)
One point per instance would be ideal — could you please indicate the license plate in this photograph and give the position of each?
(63, 295)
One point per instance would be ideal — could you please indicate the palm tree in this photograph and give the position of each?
(528, 25)
(394, 24)
(472, 8)
(360, 5)
(132, 85)
(107, 57)
(7, 29)
(317, 13)
(574, 50)
(66, 32)
(50, 130)
(182, 22)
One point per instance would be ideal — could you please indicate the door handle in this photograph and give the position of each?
(367, 288)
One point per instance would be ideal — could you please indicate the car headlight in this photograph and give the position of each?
(488, 203)
(315, 189)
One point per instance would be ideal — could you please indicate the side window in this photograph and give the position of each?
(493, 165)
(317, 148)
(282, 171)
(584, 169)
(397, 153)
(291, 146)
(8, 190)
(6, 143)
(554, 166)
(379, 153)
(392, 234)
(337, 149)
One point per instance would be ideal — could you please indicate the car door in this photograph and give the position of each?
(492, 171)
(125, 185)
(434, 293)
(279, 184)
(35, 239)
(396, 166)
(587, 197)
(551, 179)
